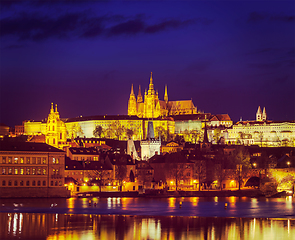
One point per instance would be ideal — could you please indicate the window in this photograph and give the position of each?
(9, 183)
(22, 160)
(3, 171)
(44, 183)
(34, 183)
(15, 160)
(3, 159)
(3, 183)
(53, 171)
(9, 159)
(28, 160)
(34, 160)
(15, 171)
(44, 161)
(56, 171)
(55, 183)
(28, 171)
(60, 183)
(39, 171)
(21, 171)
(34, 171)
(51, 183)
(53, 160)
(28, 183)
(38, 160)
(39, 183)
(9, 171)
(15, 183)
(44, 171)
(21, 183)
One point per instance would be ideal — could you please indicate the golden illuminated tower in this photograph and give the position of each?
(132, 106)
(259, 114)
(166, 94)
(56, 134)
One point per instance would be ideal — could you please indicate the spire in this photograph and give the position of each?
(264, 115)
(150, 133)
(132, 92)
(166, 94)
(151, 86)
(259, 114)
(51, 110)
(139, 96)
(55, 107)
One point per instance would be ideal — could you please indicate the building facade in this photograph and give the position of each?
(262, 132)
(31, 170)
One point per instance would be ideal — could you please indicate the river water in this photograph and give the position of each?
(148, 218)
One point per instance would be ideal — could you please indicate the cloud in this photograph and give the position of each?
(130, 27)
(258, 17)
(37, 27)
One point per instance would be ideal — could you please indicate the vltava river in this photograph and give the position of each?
(140, 218)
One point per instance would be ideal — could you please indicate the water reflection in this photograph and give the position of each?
(92, 226)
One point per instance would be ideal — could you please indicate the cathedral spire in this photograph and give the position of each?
(139, 96)
(151, 86)
(55, 107)
(264, 115)
(132, 92)
(166, 94)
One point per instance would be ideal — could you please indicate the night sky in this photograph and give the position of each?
(227, 56)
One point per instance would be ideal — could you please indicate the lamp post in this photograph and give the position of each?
(288, 163)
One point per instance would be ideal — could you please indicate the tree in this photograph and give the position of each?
(160, 131)
(115, 130)
(97, 131)
(129, 133)
(216, 134)
(75, 130)
(120, 173)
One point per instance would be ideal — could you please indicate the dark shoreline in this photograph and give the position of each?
(165, 194)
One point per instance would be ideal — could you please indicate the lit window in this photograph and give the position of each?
(28, 171)
(53, 160)
(28, 160)
(21, 171)
(3, 159)
(44, 171)
(16, 160)
(9, 171)
(44, 160)
(22, 160)
(34, 171)
(15, 171)
(3, 171)
(39, 171)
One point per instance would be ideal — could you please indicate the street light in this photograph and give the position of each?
(288, 163)
(254, 165)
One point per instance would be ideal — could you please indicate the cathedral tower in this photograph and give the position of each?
(259, 114)
(132, 106)
(264, 115)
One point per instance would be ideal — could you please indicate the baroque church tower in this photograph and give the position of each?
(261, 116)
(56, 133)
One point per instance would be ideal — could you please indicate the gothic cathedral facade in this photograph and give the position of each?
(152, 107)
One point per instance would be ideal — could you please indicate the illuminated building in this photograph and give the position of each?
(31, 170)
(152, 107)
(151, 146)
(262, 132)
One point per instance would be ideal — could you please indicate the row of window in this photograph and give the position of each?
(22, 171)
(27, 171)
(28, 160)
(28, 183)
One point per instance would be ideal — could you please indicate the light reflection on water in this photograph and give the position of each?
(92, 226)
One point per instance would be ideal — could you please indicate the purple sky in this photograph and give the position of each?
(228, 56)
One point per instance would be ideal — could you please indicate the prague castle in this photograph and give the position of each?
(169, 118)
(152, 107)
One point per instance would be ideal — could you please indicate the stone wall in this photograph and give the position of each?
(28, 192)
